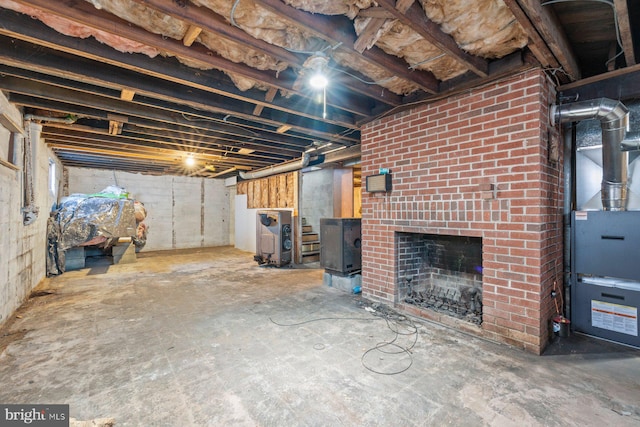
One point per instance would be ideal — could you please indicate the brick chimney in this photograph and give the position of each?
(483, 164)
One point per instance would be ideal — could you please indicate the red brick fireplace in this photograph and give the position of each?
(483, 164)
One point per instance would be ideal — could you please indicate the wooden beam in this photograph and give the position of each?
(622, 84)
(621, 13)
(151, 139)
(88, 16)
(115, 128)
(536, 44)
(151, 88)
(145, 117)
(547, 24)
(369, 35)
(120, 152)
(270, 95)
(375, 12)
(415, 18)
(96, 145)
(191, 35)
(404, 5)
(85, 14)
(208, 20)
(339, 31)
(198, 109)
(21, 27)
(127, 94)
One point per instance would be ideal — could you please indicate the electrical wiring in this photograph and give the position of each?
(320, 319)
(554, 71)
(233, 12)
(381, 346)
(376, 82)
(394, 322)
(414, 66)
(224, 120)
(615, 21)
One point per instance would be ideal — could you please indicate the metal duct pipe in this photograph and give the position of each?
(569, 134)
(281, 168)
(631, 142)
(614, 119)
(343, 154)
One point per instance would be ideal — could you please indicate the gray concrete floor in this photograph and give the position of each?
(191, 338)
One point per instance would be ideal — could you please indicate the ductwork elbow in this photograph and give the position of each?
(614, 120)
(276, 169)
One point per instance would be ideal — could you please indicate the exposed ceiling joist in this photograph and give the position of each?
(23, 28)
(537, 45)
(215, 147)
(207, 19)
(339, 32)
(100, 20)
(230, 79)
(547, 25)
(415, 18)
(624, 27)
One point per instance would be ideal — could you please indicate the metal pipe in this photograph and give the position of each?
(275, 169)
(569, 133)
(631, 142)
(614, 119)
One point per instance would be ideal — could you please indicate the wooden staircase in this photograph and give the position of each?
(310, 243)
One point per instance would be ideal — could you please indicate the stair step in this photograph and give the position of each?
(310, 237)
(310, 258)
(307, 228)
(310, 247)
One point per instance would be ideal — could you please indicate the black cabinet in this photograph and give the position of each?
(340, 245)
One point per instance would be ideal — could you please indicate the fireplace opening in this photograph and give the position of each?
(442, 273)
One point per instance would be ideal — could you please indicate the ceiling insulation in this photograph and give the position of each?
(485, 28)
(263, 24)
(214, 76)
(350, 8)
(72, 29)
(375, 75)
(402, 41)
(147, 18)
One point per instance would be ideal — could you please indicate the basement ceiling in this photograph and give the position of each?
(140, 85)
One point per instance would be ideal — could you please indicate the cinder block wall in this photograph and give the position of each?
(476, 164)
(23, 248)
(183, 212)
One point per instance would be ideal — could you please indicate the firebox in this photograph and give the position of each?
(441, 273)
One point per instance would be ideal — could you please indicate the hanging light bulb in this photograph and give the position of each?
(190, 161)
(318, 81)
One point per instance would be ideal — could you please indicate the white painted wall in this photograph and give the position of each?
(182, 212)
(245, 225)
(23, 247)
